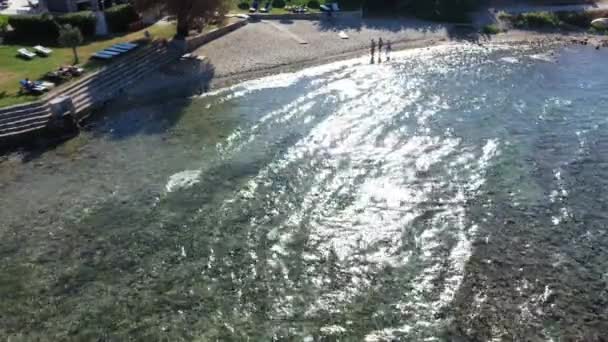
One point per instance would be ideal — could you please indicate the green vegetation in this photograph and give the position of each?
(314, 4)
(278, 6)
(491, 29)
(70, 37)
(45, 28)
(13, 69)
(120, 17)
(85, 21)
(439, 10)
(581, 19)
(537, 20)
(3, 23)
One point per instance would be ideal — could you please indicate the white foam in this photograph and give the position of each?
(181, 180)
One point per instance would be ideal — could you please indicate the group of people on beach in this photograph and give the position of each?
(388, 48)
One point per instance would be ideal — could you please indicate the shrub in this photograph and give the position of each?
(3, 23)
(491, 29)
(85, 21)
(440, 10)
(278, 3)
(314, 4)
(537, 20)
(244, 5)
(45, 28)
(34, 27)
(581, 19)
(119, 17)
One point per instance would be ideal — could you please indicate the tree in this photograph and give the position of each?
(70, 37)
(187, 11)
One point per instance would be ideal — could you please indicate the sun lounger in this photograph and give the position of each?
(33, 87)
(115, 50)
(254, 7)
(25, 53)
(330, 9)
(266, 8)
(124, 47)
(129, 46)
(41, 50)
(104, 55)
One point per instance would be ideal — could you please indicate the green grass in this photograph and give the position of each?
(13, 69)
(491, 29)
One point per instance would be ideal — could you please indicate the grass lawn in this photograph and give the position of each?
(13, 69)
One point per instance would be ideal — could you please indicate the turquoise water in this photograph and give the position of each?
(455, 193)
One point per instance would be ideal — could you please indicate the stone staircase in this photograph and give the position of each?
(89, 91)
(24, 118)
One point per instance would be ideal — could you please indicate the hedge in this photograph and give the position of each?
(313, 4)
(3, 23)
(85, 21)
(45, 28)
(120, 17)
(278, 3)
(30, 27)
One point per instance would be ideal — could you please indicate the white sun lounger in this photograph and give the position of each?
(42, 50)
(25, 53)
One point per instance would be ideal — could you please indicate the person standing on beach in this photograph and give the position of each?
(380, 43)
(388, 50)
(373, 50)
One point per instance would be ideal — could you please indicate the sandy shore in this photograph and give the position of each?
(266, 48)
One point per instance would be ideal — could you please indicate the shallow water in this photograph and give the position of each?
(455, 193)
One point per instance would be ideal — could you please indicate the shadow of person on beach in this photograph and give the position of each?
(158, 106)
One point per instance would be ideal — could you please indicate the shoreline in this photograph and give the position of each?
(179, 80)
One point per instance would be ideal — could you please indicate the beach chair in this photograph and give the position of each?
(25, 53)
(115, 50)
(32, 87)
(330, 9)
(128, 46)
(41, 50)
(104, 55)
(254, 7)
(266, 8)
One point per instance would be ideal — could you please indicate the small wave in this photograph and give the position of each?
(184, 179)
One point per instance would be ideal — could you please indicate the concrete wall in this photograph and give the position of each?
(306, 16)
(192, 43)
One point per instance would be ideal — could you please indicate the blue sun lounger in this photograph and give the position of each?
(115, 50)
(129, 46)
(105, 55)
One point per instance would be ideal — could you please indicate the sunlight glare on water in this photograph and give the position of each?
(453, 193)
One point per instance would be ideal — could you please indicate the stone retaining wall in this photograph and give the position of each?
(306, 16)
(192, 43)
